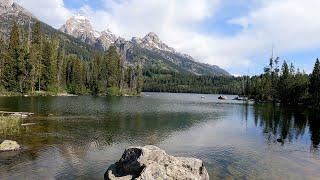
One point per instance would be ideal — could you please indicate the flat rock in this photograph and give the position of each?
(8, 145)
(151, 162)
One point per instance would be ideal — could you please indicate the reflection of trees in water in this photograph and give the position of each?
(9, 125)
(281, 124)
(74, 136)
(148, 128)
(314, 128)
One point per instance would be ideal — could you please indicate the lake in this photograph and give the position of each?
(79, 137)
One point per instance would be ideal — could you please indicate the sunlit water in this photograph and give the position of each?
(79, 137)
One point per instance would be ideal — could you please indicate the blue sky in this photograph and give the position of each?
(237, 35)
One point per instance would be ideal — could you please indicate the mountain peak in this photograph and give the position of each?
(79, 26)
(152, 41)
(6, 3)
(80, 17)
(151, 36)
(11, 8)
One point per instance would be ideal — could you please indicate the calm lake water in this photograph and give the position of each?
(79, 137)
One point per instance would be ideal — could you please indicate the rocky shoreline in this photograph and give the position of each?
(151, 162)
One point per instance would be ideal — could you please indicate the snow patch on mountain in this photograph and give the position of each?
(79, 26)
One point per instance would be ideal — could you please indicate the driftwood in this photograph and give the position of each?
(20, 114)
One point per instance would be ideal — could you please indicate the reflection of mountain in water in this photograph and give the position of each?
(283, 125)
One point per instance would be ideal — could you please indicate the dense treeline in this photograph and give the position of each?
(286, 85)
(38, 64)
(35, 63)
(168, 81)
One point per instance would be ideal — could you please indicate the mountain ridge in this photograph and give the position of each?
(157, 53)
(79, 36)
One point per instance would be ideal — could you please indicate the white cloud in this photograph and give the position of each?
(52, 12)
(289, 25)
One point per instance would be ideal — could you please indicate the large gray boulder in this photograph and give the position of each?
(150, 162)
(8, 145)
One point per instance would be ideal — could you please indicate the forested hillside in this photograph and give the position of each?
(43, 63)
(170, 81)
(38, 58)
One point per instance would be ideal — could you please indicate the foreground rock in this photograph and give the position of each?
(8, 145)
(150, 162)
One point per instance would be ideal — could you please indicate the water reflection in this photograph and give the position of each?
(287, 124)
(78, 137)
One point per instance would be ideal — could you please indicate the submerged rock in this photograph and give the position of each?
(150, 162)
(8, 145)
(222, 97)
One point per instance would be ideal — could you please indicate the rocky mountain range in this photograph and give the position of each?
(155, 53)
(80, 27)
(10, 10)
(82, 39)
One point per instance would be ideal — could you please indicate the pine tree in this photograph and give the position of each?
(284, 83)
(36, 58)
(22, 68)
(113, 66)
(300, 87)
(75, 81)
(3, 50)
(10, 73)
(14, 43)
(139, 77)
(314, 88)
(60, 68)
(49, 60)
(37, 34)
(97, 79)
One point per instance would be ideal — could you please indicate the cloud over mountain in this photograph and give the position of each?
(189, 26)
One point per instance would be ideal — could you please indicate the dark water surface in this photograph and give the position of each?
(79, 137)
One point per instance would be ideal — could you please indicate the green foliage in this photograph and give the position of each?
(10, 69)
(167, 81)
(75, 81)
(113, 91)
(37, 34)
(49, 60)
(45, 63)
(285, 83)
(288, 87)
(112, 60)
(314, 88)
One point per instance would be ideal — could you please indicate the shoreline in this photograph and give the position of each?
(64, 94)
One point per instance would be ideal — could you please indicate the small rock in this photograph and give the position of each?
(8, 145)
(150, 162)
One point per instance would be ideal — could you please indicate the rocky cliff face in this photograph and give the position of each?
(150, 49)
(152, 42)
(12, 12)
(6, 3)
(80, 27)
(9, 7)
(154, 52)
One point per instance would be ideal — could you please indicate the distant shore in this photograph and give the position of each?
(53, 94)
